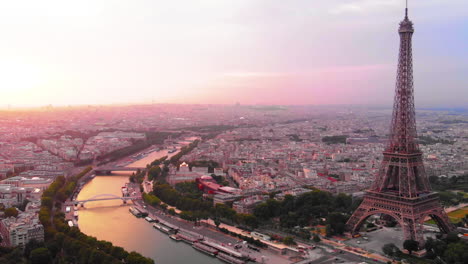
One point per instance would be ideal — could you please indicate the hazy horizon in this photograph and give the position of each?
(227, 51)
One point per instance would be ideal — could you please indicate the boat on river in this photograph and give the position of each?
(205, 249)
(149, 219)
(230, 259)
(138, 212)
(175, 237)
(188, 238)
(162, 228)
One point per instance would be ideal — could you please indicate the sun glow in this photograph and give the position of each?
(17, 78)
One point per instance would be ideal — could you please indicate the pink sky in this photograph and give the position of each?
(227, 51)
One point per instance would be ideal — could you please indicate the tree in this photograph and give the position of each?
(434, 247)
(343, 201)
(217, 222)
(316, 238)
(119, 253)
(390, 249)
(456, 253)
(337, 223)
(136, 258)
(410, 245)
(11, 212)
(247, 219)
(452, 237)
(31, 245)
(328, 230)
(40, 256)
(262, 211)
(289, 241)
(225, 211)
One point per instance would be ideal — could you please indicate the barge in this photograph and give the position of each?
(138, 212)
(230, 259)
(205, 249)
(188, 239)
(149, 219)
(162, 228)
(225, 250)
(175, 237)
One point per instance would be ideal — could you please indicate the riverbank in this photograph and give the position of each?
(112, 221)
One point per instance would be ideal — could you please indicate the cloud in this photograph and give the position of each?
(362, 6)
(311, 71)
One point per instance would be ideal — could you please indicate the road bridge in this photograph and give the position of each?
(109, 170)
(104, 197)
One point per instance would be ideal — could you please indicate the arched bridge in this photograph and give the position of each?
(105, 197)
(109, 170)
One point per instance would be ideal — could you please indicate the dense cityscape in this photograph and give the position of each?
(242, 157)
(237, 183)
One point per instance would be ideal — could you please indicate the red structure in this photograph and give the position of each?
(207, 184)
(401, 189)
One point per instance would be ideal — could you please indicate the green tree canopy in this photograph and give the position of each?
(40, 256)
(411, 245)
(390, 249)
(289, 241)
(12, 211)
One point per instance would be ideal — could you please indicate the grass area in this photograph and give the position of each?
(319, 229)
(454, 216)
(460, 213)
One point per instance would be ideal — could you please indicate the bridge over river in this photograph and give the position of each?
(103, 197)
(110, 169)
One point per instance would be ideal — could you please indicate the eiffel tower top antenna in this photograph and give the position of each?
(406, 9)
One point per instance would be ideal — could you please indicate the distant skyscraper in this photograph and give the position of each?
(401, 188)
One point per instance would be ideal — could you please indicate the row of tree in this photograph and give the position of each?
(152, 138)
(452, 183)
(189, 199)
(309, 209)
(184, 150)
(450, 249)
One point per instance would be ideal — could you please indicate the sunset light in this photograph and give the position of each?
(18, 79)
(222, 51)
(234, 131)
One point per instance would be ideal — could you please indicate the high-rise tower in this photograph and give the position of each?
(401, 188)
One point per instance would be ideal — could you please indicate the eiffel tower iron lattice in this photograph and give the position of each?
(401, 189)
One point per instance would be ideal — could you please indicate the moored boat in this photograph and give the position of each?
(162, 228)
(175, 237)
(205, 249)
(230, 259)
(149, 219)
(187, 238)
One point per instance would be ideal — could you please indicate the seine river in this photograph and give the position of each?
(111, 221)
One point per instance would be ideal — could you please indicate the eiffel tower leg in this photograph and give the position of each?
(355, 221)
(442, 220)
(412, 229)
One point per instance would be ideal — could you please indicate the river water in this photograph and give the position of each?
(111, 221)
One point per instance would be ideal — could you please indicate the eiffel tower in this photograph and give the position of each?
(401, 189)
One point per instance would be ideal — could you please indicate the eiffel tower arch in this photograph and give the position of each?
(401, 188)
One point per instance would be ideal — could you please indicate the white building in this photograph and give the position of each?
(20, 230)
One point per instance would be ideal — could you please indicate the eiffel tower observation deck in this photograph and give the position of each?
(401, 189)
